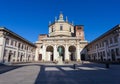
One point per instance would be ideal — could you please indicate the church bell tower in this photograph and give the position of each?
(79, 31)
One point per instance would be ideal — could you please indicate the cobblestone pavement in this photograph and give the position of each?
(62, 74)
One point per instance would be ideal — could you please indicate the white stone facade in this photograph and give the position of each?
(106, 47)
(64, 35)
(65, 42)
(14, 48)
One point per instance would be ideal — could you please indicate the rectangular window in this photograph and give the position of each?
(116, 39)
(98, 54)
(107, 42)
(61, 28)
(52, 30)
(104, 53)
(27, 47)
(15, 43)
(19, 45)
(14, 53)
(108, 53)
(12, 42)
(117, 51)
(79, 28)
(7, 41)
(102, 44)
(111, 41)
(70, 29)
(18, 54)
(5, 52)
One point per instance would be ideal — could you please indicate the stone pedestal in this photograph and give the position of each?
(60, 62)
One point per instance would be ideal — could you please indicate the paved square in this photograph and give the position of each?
(62, 74)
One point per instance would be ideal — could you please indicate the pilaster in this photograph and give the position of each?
(44, 53)
(78, 58)
(2, 45)
(17, 50)
(36, 54)
(106, 50)
(67, 58)
(55, 53)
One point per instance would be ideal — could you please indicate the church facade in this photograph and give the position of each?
(65, 42)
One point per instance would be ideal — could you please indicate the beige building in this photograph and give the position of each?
(64, 42)
(106, 47)
(14, 48)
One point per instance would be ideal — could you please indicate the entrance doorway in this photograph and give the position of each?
(49, 51)
(72, 50)
(9, 56)
(40, 57)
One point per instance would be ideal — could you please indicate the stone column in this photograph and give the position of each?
(67, 57)
(2, 46)
(36, 54)
(16, 55)
(17, 50)
(44, 53)
(25, 55)
(78, 50)
(55, 55)
(6, 57)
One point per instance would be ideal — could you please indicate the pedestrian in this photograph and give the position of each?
(74, 66)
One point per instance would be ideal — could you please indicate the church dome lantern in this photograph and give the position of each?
(61, 27)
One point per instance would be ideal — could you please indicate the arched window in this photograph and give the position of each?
(52, 29)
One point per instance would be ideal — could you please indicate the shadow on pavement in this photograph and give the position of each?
(6, 68)
(83, 74)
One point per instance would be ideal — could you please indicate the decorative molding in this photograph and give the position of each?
(3, 34)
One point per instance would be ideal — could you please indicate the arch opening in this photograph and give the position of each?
(61, 51)
(49, 53)
(72, 51)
